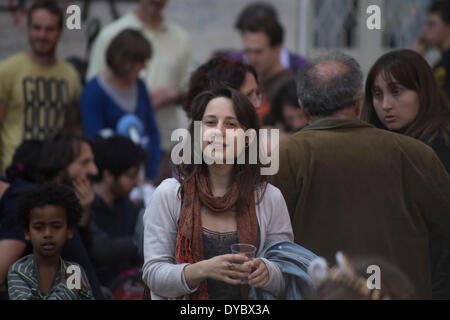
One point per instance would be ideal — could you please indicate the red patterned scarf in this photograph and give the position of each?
(197, 193)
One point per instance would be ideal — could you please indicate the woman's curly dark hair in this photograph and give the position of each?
(212, 73)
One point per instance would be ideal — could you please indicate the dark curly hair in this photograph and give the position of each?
(220, 69)
(45, 194)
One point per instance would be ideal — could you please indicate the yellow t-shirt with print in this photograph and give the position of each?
(36, 99)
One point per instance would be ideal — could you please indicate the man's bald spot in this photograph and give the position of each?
(327, 71)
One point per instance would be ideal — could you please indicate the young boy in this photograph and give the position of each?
(49, 215)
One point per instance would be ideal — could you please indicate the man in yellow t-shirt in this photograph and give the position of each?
(36, 88)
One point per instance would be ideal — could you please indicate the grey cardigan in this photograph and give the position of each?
(164, 276)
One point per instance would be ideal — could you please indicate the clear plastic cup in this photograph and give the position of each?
(245, 249)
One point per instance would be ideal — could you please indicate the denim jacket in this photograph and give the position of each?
(293, 261)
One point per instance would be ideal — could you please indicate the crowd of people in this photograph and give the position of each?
(89, 182)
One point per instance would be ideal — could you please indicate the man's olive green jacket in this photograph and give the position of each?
(352, 187)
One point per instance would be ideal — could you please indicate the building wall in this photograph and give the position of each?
(308, 25)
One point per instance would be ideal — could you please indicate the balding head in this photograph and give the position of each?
(328, 70)
(330, 84)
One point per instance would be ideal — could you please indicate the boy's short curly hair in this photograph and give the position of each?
(49, 194)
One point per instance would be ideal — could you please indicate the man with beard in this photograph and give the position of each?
(70, 160)
(37, 89)
(355, 188)
(62, 159)
(113, 216)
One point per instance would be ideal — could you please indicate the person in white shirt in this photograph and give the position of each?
(191, 222)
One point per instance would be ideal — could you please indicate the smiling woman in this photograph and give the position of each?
(190, 224)
(220, 110)
(220, 131)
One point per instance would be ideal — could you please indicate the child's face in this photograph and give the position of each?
(48, 230)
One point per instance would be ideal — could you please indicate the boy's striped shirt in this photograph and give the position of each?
(23, 282)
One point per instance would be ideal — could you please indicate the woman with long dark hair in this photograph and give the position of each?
(215, 71)
(217, 200)
(402, 95)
